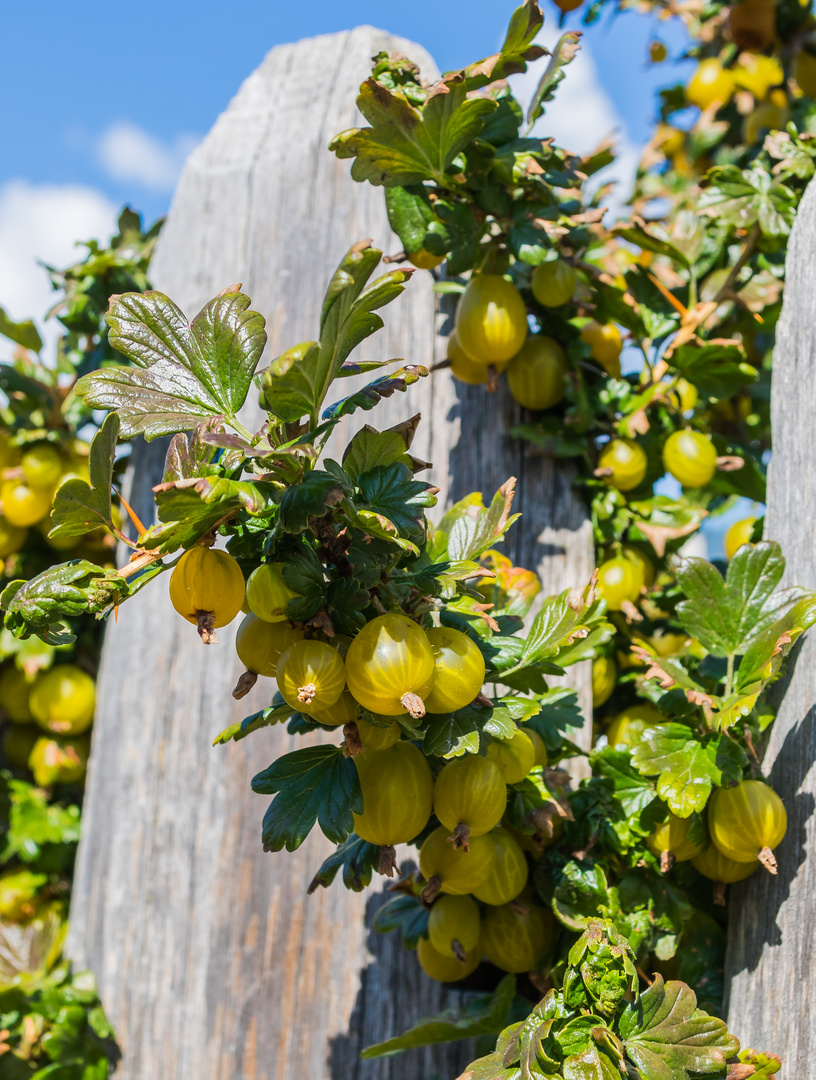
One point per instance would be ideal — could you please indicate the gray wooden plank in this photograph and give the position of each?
(212, 962)
(771, 961)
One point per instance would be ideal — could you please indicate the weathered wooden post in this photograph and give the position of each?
(211, 960)
(771, 962)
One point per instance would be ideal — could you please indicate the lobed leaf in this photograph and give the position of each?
(80, 506)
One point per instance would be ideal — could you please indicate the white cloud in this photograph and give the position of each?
(131, 154)
(44, 222)
(581, 115)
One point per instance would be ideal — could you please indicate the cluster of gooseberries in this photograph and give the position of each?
(474, 865)
(745, 824)
(29, 476)
(48, 716)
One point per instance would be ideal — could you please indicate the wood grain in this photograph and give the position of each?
(771, 961)
(211, 961)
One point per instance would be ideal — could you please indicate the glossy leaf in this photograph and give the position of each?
(79, 506)
(358, 860)
(23, 333)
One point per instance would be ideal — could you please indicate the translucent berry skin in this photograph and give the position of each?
(539, 746)
(672, 836)
(397, 790)
(553, 282)
(23, 505)
(460, 871)
(515, 757)
(454, 918)
(712, 864)
(311, 676)
(604, 679)
(627, 728)
(642, 563)
(627, 460)
(464, 367)
(516, 942)
(491, 319)
(745, 819)
(15, 694)
(374, 737)
(690, 457)
(424, 260)
(259, 644)
(267, 593)
(709, 83)
(470, 791)
(54, 760)
(343, 711)
(389, 658)
(618, 582)
(536, 373)
(459, 670)
(204, 580)
(63, 700)
(509, 874)
(445, 968)
(740, 533)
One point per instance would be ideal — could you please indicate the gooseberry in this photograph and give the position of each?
(453, 870)
(470, 797)
(605, 345)
(464, 367)
(509, 874)
(536, 373)
(445, 968)
(397, 788)
(670, 842)
(424, 260)
(747, 821)
(54, 760)
(454, 926)
(709, 83)
(390, 666)
(627, 728)
(539, 746)
(690, 457)
(374, 737)
(752, 24)
(491, 319)
(604, 679)
(459, 670)
(63, 700)
(553, 282)
(765, 117)
(657, 52)
(24, 505)
(267, 593)
(627, 460)
(712, 864)
(758, 74)
(804, 71)
(618, 582)
(42, 466)
(343, 711)
(642, 563)
(740, 533)
(259, 644)
(516, 941)
(311, 675)
(15, 694)
(515, 757)
(207, 589)
(12, 538)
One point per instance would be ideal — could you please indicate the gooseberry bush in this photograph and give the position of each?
(406, 644)
(51, 1022)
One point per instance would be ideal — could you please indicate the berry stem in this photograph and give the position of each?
(205, 621)
(719, 893)
(353, 741)
(245, 683)
(388, 860)
(431, 890)
(461, 837)
(768, 860)
(459, 952)
(667, 861)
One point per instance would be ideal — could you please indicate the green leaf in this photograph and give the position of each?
(315, 783)
(455, 232)
(728, 616)
(744, 197)
(407, 145)
(405, 913)
(561, 621)
(183, 372)
(21, 333)
(29, 951)
(777, 640)
(275, 714)
(472, 529)
(368, 396)
(453, 734)
(518, 48)
(563, 54)
(357, 858)
(409, 215)
(638, 235)
(79, 506)
(34, 822)
(371, 448)
(581, 894)
(189, 509)
(631, 790)
(484, 1016)
(685, 765)
(667, 1037)
(62, 591)
(389, 492)
(291, 386)
(716, 370)
(312, 498)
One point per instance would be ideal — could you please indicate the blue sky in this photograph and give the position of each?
(109, 98)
